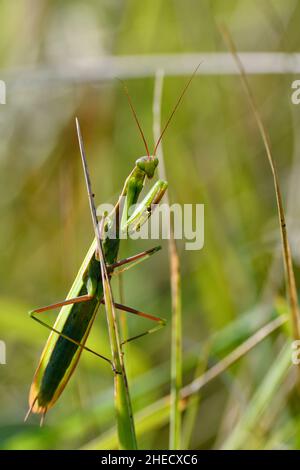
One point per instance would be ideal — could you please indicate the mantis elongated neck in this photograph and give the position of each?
(135, 179)
(131, 191)
(129, 196)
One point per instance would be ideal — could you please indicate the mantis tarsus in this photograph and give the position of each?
(74, 321)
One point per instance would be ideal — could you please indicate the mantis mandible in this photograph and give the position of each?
(69, 334)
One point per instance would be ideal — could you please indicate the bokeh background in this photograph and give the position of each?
(49, 53)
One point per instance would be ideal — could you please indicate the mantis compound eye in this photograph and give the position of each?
(148, 165)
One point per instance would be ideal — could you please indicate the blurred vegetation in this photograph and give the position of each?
(213, 155)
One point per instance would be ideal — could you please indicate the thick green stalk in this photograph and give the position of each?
(126, 430)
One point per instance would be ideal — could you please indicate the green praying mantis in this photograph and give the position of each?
(69, 334)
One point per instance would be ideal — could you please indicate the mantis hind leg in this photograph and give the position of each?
(161, 321)
(83, 298)
(132, 260)
(75, 300)
(146, 332)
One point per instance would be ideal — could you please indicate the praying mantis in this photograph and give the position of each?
(69, 334)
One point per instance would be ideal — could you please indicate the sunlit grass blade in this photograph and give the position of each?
(261, 400)
(233, 356)
(193, 404)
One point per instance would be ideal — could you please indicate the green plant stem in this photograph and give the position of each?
(175, 279)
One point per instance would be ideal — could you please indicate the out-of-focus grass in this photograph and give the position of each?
(251, 418)
(213, 155)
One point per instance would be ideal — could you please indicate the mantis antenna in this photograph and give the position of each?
(135, 117)
(169, 119)
(175, 108)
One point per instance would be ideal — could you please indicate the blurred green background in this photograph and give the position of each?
(213, 155)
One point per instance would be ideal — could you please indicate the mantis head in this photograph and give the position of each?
(147, 164)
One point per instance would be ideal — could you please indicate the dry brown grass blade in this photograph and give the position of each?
(288, 264)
